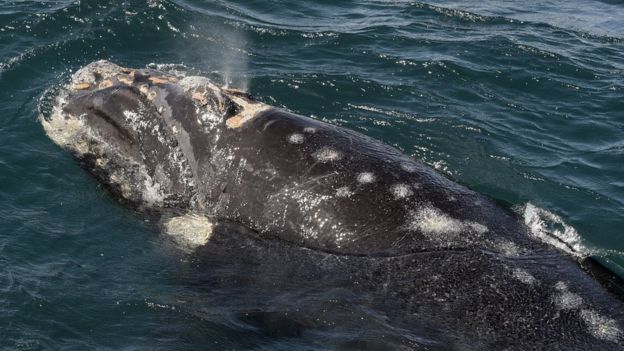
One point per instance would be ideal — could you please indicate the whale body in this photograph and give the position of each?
(432, 252)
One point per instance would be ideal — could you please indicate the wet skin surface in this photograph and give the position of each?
(328, 208)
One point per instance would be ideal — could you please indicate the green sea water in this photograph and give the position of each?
(522, 101)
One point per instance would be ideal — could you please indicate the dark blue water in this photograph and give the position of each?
(521, 101)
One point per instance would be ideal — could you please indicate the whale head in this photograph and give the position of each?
(145, 134)
(109, 119)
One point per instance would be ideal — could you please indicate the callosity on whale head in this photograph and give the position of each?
(118, 123)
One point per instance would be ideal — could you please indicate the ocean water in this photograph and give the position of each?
(522, 101)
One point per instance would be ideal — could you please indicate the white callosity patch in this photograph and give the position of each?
(430, 220)
(196, 82)
(248, 109)
(601, 327)
(524, 276)
(189, 231)
(296, 138)
(552, 230)
(309, 130)
(327, 154)
(401, 191)
(344, 192)
(564, 299)
(105, 70)
(366, 178)
(65, 131)
(71, 132)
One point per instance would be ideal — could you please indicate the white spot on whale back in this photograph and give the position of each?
(601, 327)
(327, 154)
(296, 138)
(564, 299)
(309, 130)
(189, 231)
(344, 192)
(477, 227)
(524, 276)
(508, 248)
(366, 177)
(431, 220)
(401, 191)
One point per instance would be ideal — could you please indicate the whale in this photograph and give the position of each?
(315, 200)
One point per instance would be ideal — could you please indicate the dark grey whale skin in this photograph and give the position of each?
(453, 290)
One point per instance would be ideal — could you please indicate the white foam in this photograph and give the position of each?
(152, 193)
(189, 231)
(401, 191)
(327, 154)
(296, 138)
(366, 177)
(551, 229)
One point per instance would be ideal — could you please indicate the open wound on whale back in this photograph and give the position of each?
(189, 231)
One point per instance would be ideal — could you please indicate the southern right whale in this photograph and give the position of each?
(436, 254)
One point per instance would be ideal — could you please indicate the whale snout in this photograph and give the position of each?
(107, 116)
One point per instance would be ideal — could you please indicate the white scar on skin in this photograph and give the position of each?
(401, 191)
(344, 192)
(327, 154)
(524, 276)
(296, 138)
(431, 220)
(564, 299)
(366, 177)
(189, 231)
(601, 327)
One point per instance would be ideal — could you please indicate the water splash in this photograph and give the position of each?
(552, 229)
